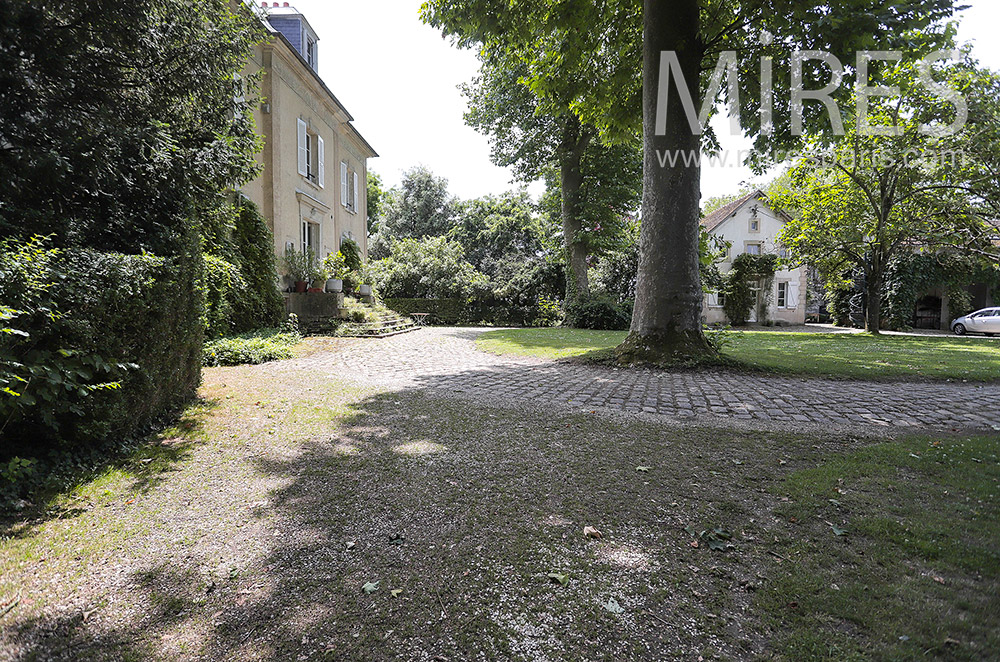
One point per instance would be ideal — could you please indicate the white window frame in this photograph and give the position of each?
(747, 245)
(781, 294)
(305, 235)
(302, 132)
(348, 187)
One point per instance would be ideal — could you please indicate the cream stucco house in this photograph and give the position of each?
(750, 225)
(312, 188)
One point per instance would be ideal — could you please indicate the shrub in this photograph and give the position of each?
(223, 285)
(431, 268)
(598, 312)
(97, 316)
(259, 303)
(250, 348)
(748, 286)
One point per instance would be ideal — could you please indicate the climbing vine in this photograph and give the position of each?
(910, 276)
(747, 287)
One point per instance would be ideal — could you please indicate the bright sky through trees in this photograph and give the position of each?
(399, 79)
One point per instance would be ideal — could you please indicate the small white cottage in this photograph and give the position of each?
(751, 225)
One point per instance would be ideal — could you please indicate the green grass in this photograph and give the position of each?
(835, 355)
(918, 526)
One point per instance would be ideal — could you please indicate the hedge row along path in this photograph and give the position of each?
(446, 360)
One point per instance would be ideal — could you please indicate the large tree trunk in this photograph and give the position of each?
(666, 322)
(575, 140)
(873, 302)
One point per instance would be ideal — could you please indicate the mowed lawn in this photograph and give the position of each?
(835, 355)
(290, 516)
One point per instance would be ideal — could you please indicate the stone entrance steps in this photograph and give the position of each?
(387, 326)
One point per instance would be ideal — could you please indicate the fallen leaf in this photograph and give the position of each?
(370, 587)
(591, 532)
(694, 543)
(838, 531)
(351, 544)
(558, 577)
(613, 606)
(951, 642)
(644, 470)
(395, 592)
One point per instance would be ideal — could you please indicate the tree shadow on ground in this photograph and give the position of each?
(466, 523)
(146, 463)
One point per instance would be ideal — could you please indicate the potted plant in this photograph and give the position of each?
(298, 266)
(318, 278)
(336, 267)
(365, 276)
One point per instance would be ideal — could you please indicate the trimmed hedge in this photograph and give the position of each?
(114, 309)
(452, 312)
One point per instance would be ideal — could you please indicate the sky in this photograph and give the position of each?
(400, 80)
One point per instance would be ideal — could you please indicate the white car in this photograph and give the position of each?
(985, 321)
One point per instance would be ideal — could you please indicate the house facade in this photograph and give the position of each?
(312, 186)
(751, 225)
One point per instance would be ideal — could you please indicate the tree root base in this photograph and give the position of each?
(685, 349)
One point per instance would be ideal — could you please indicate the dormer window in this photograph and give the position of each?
(311, 53)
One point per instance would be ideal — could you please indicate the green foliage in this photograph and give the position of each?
(49, 383)
(376, 198)
(299, 266)
(105, 345)
(223, 283)
(747, 287)
(120, 121)
(250, 348)
(352, 254)
(913, 274)
(431, 268)
(260, 305)
(864, 201)
(240, 274)
(596, 311)
(421, 207)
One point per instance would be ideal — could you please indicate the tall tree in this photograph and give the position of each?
(532, 132)
(592, 48)
(420, 207)
(120, 121)
(867, 199)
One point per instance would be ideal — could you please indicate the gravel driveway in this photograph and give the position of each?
(446, 360)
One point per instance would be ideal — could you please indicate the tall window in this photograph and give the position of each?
(311, 154)
(348, 187)
(782, 298)
(310, 237)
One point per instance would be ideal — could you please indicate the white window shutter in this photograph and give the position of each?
(343, 183)
(321, 160)
(793, 295)
(354, 205)
(303, 149)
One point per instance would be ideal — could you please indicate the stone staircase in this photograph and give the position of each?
(386, 326)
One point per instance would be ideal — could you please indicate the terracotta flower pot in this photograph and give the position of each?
(301, 285)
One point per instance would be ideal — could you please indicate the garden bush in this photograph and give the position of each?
(106, 345)
(251, 348)
(598, 311)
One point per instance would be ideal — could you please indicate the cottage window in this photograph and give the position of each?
(754, 225)
(753, 249)
(782, 298)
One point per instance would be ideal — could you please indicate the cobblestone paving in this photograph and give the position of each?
(447, 361)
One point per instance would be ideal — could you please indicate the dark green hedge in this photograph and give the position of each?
(490, 313)
(135, 309)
